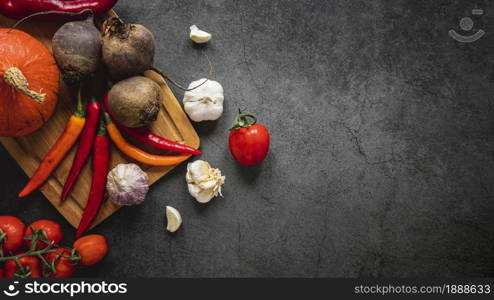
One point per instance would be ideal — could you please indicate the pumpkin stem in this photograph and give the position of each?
(14, 77)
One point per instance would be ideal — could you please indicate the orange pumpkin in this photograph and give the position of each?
(29, 82)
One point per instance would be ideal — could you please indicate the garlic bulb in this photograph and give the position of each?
(204, 102)
(199, 36)
(127, 184)
(203, 182)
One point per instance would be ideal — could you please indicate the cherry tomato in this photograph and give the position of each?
(249, 142)
(13, 228)
(2, 273)
(30, 264)
(51, 229)
(64, 267)
(92, 249)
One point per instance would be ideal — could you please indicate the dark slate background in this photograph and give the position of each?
(382, 144)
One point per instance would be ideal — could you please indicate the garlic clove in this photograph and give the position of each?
(194, 189)
(199, 36)
(188, 177)
(206, 185)
(198, 170)
(174, 219)
(204, 196)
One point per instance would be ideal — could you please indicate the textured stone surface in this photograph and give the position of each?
(382, 144)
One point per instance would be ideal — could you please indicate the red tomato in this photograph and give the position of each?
(249, 143)
(31, 265)
(64, 267)
(51, 229)
(92, 249)
(2, 273)
(13, 228)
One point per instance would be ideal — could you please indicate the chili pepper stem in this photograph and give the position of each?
(108, 120)
(102, 129)
(80, 110)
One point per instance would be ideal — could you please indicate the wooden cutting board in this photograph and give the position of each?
(28, 150)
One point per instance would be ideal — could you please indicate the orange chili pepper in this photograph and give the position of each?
(58, 151)
(139, 154)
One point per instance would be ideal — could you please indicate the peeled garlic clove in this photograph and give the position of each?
(174, 219)
(204, 196)
(194, 189)
(206, 185)
(199, 36)
(198, 171)
(188, 177)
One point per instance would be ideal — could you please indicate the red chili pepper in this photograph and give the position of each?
(85, 146)
(18, 9)
(101, 162)
(150, 138)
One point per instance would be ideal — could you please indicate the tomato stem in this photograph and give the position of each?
(242, 121)
(3, 237)
(35, 237)
(29, 253)
(23, 272)
(46, 264)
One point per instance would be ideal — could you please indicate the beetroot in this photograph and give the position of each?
(135, 101)
(128, 49)
(77, 50)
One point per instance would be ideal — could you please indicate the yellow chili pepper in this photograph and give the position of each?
(58, 151)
